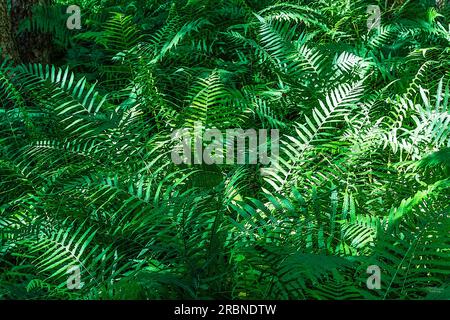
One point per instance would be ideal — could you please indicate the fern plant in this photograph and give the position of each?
(87, 180)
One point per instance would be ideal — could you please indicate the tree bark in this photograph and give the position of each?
(7, 44)
(33, 46)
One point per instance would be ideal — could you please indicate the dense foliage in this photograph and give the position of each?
(86, 176)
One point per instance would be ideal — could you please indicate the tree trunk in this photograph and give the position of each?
(34, 46)
(7, 44)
